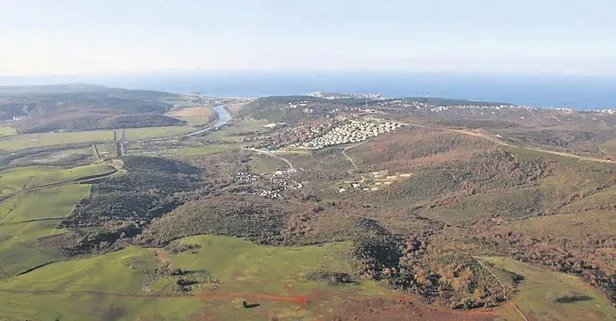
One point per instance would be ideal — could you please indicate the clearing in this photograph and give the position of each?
(545, 295)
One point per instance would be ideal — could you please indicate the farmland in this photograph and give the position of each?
(15, 143)
(7, 131)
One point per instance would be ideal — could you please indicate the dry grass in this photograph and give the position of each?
(235, 108)
(192, 112)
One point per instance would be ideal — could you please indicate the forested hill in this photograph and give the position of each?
(83, 107)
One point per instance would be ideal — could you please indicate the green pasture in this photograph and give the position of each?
(540, 290)
(16, 179)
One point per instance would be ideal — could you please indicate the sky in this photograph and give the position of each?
(96, 37)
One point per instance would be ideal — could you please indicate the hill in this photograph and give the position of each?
(83, 107)
(312, 208)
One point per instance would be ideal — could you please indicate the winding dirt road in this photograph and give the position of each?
(271, 154)
(495, 140)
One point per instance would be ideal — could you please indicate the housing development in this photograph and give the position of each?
(354, 131)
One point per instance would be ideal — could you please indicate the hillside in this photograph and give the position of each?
(311, 208)
(83, 107)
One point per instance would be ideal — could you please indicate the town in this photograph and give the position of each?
(333, 131)
(354, 131)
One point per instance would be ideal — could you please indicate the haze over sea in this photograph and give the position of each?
(578, 92)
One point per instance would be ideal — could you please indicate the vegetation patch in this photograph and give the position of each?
(539, 294)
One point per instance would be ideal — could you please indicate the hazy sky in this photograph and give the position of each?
(115, 36)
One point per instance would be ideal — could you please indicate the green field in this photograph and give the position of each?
(16, 179)
(25, 219)
(155, 132)
(117, 283)
(7, 131)
(18, 142)
(196, 151)
(540, 292)
(237, 130)
(124, 285)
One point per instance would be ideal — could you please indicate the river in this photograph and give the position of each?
(223, 118)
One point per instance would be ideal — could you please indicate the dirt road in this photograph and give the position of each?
(82, 180)
(271, 154)
(515, 306)
(502, 143)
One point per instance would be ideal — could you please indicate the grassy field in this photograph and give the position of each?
(18, 142)
(98, 288)
(28, 217)
(195, 116)
(115, 283)
(541, 291)
(239, 129)
(265, 164)
(196, 151)
(25, 219)
(16, 179)
(155, 132)
(7, 131)
(124, 286)
(609, 147)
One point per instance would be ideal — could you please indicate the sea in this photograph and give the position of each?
(547, 91)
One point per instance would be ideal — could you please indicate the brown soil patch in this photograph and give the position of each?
(58, 241)
(192, 112)
(237, 275)
(402, 309)
(162, 259)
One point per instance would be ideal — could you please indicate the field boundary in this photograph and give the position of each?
(515, 306)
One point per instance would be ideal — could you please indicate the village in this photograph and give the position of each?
(298, 134)
(354, 131)
(335, 131)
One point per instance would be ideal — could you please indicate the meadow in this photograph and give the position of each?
(24, 178)
(7, 131)
(545, 295)
(27, 219)
(115, 283)
(19, 142)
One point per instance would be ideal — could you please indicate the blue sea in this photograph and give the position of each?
(577, 92)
